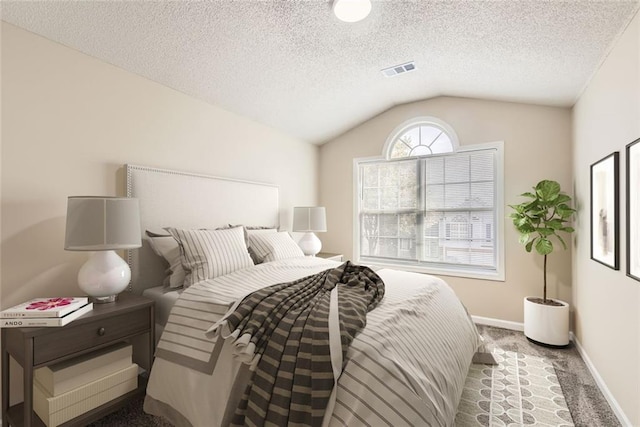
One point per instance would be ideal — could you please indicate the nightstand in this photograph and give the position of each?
(328, 255)
(130, 318)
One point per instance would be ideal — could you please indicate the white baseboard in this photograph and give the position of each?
(505, 324)
(617, 410)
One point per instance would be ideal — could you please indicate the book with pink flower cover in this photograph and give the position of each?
(41, 322)
(44, 307)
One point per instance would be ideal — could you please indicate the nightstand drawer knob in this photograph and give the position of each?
(101, 331)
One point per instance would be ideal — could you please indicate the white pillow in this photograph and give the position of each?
(167, 247)
(256, 230)
(207, 254)
(274, 246)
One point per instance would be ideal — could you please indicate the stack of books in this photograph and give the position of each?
(68, 389)
(43, 312)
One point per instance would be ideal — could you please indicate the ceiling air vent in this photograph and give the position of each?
(399, 69)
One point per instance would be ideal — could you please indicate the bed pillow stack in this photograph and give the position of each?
(200, 254)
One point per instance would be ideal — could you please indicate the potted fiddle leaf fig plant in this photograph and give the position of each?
(541, 221)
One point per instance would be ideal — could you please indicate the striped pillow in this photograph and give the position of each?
(167, 247)
(211, 253)
(248, 231)
(274, 246)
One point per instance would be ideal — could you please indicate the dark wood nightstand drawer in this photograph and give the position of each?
(76, 338)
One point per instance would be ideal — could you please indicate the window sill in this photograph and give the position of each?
(469, 274)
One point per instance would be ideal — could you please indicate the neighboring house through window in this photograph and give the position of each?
(430, 205)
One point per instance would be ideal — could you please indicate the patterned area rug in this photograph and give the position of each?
(520, 390)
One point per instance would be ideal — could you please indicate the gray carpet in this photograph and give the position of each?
(586, 403)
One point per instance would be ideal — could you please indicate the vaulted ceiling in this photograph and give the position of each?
(294, 66)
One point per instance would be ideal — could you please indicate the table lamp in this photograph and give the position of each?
(103, 225)
(309, 220)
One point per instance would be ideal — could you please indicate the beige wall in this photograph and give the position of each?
(607, 303)
(69, 124)
(537, 143)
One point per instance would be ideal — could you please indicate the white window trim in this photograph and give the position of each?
(497, 275)
(423, 120)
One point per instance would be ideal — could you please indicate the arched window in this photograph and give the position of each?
(429, 205)
(422, 136)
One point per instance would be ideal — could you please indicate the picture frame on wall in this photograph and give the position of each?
(633, 209)
(605, 224)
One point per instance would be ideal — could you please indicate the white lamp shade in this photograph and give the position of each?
(306, 219)
(351, 10)
(102, 223)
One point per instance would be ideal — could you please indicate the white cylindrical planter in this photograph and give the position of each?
(546, 324)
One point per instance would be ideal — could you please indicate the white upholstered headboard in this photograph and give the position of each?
(187, 200)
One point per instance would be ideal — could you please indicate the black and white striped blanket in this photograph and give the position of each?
(284, 330)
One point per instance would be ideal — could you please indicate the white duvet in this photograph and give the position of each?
(407, 367)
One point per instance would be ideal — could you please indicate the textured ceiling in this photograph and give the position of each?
(292, 65)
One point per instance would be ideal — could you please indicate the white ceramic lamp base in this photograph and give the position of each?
(104, 276)
(310, 244)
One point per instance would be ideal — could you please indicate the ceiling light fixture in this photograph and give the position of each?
(351, 10)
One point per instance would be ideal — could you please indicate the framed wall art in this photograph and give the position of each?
(633, 209)
(605, 224)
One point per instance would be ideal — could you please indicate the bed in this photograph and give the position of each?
(407, 366)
